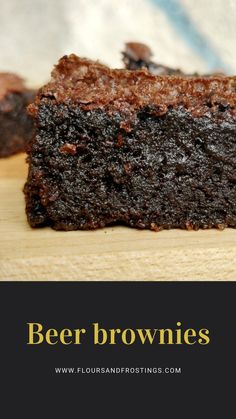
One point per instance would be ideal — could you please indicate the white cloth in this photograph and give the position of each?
(35, 33)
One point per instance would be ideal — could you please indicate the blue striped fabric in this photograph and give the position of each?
(187, 30)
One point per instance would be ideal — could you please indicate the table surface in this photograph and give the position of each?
(114, 253)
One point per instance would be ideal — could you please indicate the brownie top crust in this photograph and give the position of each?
(91, 85)
(10, 83)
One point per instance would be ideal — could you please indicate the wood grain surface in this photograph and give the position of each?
(114, 253)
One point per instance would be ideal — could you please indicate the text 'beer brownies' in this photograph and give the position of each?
(120, 146)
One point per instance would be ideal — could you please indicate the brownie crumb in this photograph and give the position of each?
(68, 148)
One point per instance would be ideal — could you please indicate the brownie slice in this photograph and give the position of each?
(119, 146)
(137, 56)
(16, 127)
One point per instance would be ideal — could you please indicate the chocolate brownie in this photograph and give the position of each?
(137, 56)
(16, 127)
(119, 146)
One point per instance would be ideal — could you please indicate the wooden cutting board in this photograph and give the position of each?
(114, 253)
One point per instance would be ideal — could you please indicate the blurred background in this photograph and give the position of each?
(192, 35)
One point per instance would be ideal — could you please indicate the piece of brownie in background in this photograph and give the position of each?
(16, 127)
(137, 56)
(119, 146)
